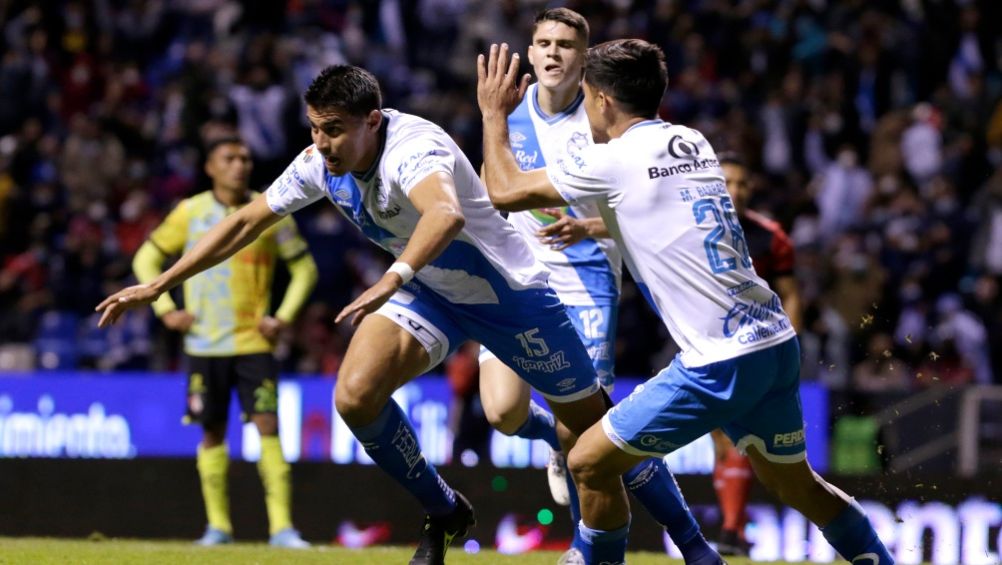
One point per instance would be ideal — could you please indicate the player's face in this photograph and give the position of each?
(346, 142)
(229, 166)
(738, 187)
(557, 55)
(594, 104)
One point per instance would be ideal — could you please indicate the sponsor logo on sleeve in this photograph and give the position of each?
(418, 165)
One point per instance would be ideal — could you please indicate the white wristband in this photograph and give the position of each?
(403, 269)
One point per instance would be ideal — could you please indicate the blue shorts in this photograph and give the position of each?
(755, 398)
(530, 332)
(596, 327)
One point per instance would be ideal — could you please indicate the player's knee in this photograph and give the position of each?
(356, 402)
(506, 420)
(585, 468)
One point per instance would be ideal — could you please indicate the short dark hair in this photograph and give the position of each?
(566, 16)
(352, 89)
(731, 158)
(217, 142)
(632, 71)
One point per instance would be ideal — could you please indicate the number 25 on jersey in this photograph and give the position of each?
(724, 221)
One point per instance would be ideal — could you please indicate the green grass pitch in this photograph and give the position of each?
(45, 551)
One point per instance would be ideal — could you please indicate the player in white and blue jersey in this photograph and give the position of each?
(547, 126)
(662, 196)
(462, 272)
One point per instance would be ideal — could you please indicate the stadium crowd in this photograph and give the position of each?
(874, 128)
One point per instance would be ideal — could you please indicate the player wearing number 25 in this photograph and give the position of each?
(661, 193)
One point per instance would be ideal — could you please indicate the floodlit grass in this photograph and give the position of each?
(44, 551)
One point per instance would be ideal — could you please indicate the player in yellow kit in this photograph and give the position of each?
(230, 334)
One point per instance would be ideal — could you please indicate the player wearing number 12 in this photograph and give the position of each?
(548, 125)
(661, 194)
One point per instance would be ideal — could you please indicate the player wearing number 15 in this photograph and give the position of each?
(662, 196)
(462, 272)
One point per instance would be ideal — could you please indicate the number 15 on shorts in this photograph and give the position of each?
(533, 346)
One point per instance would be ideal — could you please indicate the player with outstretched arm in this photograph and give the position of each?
(461, 272)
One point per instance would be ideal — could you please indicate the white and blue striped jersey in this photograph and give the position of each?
(662, 195)
(588, 272)
(486, 259)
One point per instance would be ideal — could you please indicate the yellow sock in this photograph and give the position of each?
(213, 464)
(276, 478)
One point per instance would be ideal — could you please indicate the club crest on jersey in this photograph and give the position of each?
(575, 145)
(577, 142)
(383, 208)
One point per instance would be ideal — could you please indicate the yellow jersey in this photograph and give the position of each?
(229, 299)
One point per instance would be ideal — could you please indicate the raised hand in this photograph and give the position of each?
(499, 89)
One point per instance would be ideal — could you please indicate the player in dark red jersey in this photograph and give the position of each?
(772, 255)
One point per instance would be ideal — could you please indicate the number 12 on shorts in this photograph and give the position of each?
(591, 323)
(724, 218)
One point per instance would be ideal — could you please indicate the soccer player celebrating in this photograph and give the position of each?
(462, 272)
(550, 124)
(663, 199)
(772, 257)
(229, 334)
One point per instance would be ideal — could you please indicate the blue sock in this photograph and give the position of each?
(539, 425)
(391, 442)
(655, 487)
(600, 546)
(852, 535)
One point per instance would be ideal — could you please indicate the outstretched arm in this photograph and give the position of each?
(441, 221)
(499, 91)
(223, 240)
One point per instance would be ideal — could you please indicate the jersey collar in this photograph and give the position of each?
(643, 124)
(570, 109)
